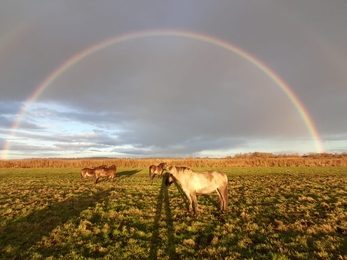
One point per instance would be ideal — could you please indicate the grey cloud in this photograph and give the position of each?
(5, 122)
(171, 95)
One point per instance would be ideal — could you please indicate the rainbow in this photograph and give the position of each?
(171, 33)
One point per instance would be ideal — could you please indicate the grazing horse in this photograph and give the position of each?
(153, 169)
(90, 172)
(87, 172)
(105, 172)
(193, 183)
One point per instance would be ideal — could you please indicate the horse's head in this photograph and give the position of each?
(163, 165)
(169, 179)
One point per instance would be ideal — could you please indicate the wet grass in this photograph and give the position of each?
(274, 213)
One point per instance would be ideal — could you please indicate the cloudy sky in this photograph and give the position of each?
(172, 78)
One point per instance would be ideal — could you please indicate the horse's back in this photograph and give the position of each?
(205, 182)
(106, 171)
(220, 178)
(219, 175)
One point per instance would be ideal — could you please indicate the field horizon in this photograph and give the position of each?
(255, 159)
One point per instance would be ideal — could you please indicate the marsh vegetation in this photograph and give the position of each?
(256, 159)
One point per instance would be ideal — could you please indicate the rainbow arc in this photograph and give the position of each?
(171, 33)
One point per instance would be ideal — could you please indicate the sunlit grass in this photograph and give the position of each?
(274, 213)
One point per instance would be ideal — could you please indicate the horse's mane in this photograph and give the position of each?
(183, 168)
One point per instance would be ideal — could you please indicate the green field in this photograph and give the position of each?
(274, 213)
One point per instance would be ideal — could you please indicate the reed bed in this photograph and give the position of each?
(256, 159)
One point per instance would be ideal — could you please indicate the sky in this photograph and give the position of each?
(140, 79)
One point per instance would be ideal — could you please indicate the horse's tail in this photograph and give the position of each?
(153, 169)
(114, 170)
(224, 193)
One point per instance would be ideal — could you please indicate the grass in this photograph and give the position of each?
(274, 213)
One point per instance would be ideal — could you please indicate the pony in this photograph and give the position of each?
(193, 183)
(87, 172)
(90, 172)
(105, 172)
(153, 169)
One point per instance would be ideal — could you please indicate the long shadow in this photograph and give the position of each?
(156, 241)
(124, 174)
(41, 223)
(182, 195)
(213, 199)
(120, 175)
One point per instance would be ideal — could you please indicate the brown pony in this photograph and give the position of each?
(193, 183)
(87, 172)
(105, 172)
(90, 172)
(153, 170)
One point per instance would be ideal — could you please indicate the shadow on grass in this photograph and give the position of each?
(163, 204)
(212, 199)
(18, 236)
(119, 176)
(182, 195)
(157, 178)
(126, 174)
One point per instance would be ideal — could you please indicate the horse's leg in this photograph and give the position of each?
(161, 173)
(223, 197)
(221, 200)
(190, 207)
(150, 174)
(152, 178)
(195, 201)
